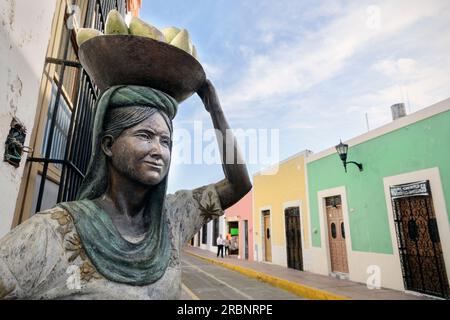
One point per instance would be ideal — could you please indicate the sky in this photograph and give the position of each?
(311, 71)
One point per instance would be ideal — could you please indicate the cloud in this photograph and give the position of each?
(213, 71)
(314, 68)
(411, 83)
(309, 64)
(394, 68)
(297, 66)
(246, 51)
(299, 126)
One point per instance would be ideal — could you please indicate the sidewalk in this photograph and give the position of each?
(305, 284)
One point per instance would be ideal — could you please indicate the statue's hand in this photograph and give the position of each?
(208, 94)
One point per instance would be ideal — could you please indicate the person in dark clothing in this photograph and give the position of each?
(220, 243)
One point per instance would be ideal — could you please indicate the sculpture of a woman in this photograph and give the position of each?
(122, 238)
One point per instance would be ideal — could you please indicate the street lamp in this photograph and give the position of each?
(342, 150)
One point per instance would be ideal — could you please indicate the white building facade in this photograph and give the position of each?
(206, 238)
(25, 31)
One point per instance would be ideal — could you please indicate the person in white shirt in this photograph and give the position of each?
(220, 243)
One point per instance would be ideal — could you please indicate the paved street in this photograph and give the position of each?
(206, 281)
(306, 284)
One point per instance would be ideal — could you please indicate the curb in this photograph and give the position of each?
(295, 288)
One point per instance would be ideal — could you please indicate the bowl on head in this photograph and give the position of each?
(113, 60)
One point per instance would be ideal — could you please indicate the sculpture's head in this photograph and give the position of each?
(137, 134)
(137, 142)
(132, 137)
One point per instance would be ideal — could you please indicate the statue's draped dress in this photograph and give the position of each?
(43, 258)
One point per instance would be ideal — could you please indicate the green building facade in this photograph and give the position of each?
(387, 226)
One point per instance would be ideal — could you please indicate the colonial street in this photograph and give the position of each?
(206, 281)
(207, 277)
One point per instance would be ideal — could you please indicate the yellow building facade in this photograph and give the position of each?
(280, 218)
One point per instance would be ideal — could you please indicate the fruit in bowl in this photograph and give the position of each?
(116, 25)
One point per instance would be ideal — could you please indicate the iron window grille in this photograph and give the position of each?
(67, 138)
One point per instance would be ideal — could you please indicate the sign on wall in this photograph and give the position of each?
(421, 188)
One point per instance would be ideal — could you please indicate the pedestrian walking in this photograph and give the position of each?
(227, 245)
(220, 242)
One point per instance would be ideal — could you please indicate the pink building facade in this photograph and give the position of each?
(239, 223)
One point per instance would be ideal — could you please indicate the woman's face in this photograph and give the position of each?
(142, 153)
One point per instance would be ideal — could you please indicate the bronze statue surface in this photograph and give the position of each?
(122, 238)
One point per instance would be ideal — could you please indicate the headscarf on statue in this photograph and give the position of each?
(115, 258)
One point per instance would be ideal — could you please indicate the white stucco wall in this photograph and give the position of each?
(25, 29)
(211, 243)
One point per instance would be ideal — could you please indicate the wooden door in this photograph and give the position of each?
(293, 238)
(267, 238)
(420, 247)
(336, 235)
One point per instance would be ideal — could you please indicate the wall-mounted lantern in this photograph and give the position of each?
(14, 143)
(342, 150)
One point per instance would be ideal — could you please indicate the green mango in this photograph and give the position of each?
(170, 33)
(143, 29)
(115, 24)
(181, 41)
(85, 34)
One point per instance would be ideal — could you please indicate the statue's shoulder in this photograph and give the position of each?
(41, 221)
(51, 213)
(37, 232)
(32, 254)
(51, 223)
(56, 216)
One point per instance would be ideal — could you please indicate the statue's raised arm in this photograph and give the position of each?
(237, 182)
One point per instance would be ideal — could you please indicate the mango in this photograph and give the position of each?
(115, 24)
(181, 41)
(170, 33)
(143, 29)
(191, 45)
(84, 34)
(194, 52)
